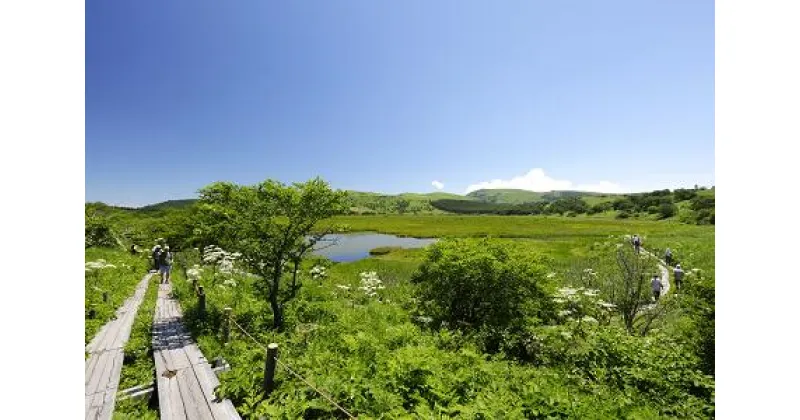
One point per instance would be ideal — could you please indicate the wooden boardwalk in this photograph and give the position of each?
(185, 379)
(106, 352)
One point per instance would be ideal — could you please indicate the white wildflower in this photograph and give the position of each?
(606, 305)
(565, 313)
(318, 272)
(370, 283)
(589, 319)
(343, 287)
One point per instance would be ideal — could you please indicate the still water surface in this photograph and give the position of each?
(356, 246)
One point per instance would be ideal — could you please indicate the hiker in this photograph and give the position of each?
(165, 264)
(657, 286)
(677, 273)
(637, 242)
(668, 257)
(156, 254)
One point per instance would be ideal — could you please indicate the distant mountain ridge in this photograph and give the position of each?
(377, 202)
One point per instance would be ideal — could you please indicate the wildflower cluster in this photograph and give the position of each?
(194, 273)
(98, 265)
(215, 255)
(370, 283)
(582, 304)
(318, 272)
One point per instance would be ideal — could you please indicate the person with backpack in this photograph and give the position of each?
(165, 264)
(668, 257)
(677, 273)
(637, 243)
(156, 254)
(657, 287)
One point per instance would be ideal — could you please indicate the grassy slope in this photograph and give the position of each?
(510, 196)
(536, 227)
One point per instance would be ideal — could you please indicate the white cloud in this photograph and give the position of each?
(438, 185)
(536, 180)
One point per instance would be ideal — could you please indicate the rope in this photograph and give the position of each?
(314, 388)
(290, 370)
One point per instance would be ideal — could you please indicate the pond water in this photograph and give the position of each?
(356, 246)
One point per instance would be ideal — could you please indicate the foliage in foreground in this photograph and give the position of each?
(139, 368)
(113, 272)
(364, 346)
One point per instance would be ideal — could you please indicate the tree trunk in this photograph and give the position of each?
(294, 279)
(277, 308)
(277, 313)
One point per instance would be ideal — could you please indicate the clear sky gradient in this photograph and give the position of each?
(391, 96)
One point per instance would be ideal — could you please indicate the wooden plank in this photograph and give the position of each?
(177, 410)
(194, 402)
(179, 359)
(90, 367)
(106, 374)
(108, 405)
(208, 382)
(229, 410)
(94, 381)
(95, 406)
(189, 392)
(194, 354)
(88, 401)
(162, 387)
(118, 358)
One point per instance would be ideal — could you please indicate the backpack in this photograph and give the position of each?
(165, 258)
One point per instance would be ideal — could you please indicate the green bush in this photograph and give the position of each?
(483, 285)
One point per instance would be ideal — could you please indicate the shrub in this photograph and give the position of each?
(484, 285)
(667, 210)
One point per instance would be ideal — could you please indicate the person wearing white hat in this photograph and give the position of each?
(677, 274)
(165, 264)
(657, 286)
(156, 252)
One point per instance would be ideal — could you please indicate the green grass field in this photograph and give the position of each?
(536, 227)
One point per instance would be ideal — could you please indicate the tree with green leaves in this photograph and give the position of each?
(271, 225)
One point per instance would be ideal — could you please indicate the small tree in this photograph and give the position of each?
(402, 205)
(630, 288)
(270, 224)
(667, 210)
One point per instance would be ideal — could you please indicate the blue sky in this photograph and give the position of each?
(391, 96)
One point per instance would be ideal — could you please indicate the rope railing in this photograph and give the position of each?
(291, 371)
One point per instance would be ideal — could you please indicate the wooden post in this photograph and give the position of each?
(227, 330)
(269, 370)
(202, 300)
